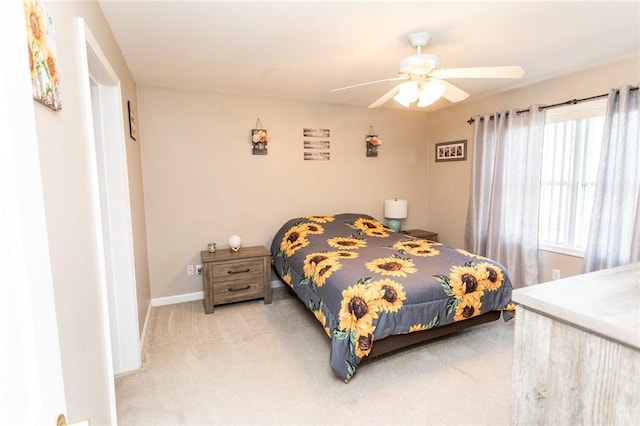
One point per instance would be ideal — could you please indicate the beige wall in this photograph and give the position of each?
(447, 212)
(203, 184)
(68, 196)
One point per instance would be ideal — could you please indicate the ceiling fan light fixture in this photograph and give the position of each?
(401, 100)
(421, 64)
(426, 82)
(407, 94)
(431, 91)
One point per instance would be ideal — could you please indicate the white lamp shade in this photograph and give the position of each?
(407, 94)
(432, 90)
(395, 209)
(234, 242)
(425, 92)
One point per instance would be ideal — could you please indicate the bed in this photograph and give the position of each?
(375, 290)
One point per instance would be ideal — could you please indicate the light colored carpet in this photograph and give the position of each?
(251, 363)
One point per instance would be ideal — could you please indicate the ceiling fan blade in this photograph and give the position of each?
(402, 77)
(479, 72)
(453, 93)
(384, 98)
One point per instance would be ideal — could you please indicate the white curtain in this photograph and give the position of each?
(614, 234)
(502, 217)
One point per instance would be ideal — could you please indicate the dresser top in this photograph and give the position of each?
(605, 302)
(228, 254)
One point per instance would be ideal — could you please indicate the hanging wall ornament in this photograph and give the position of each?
(259, 139)
(373, 141)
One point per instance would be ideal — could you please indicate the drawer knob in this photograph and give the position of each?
(240, 288)
(239, 272)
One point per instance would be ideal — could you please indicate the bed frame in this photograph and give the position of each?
(401, 341)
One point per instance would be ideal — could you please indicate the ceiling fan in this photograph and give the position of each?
(425, 81)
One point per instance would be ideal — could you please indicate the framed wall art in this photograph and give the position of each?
(41, 42)
(451, 151)
(316, 143)
(133, 126)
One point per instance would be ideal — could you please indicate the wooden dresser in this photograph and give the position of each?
(230, 276)
(576, 357)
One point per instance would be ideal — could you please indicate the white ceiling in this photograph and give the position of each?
(302, 49)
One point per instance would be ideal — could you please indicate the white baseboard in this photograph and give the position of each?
(178, 298)
(189, 297)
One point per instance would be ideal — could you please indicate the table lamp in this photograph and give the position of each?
(234, 242)
(394, 210)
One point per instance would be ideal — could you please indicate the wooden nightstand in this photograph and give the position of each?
(419, 233)
(230, 276)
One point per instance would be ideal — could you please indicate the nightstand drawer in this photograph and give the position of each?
(245, 270)
(235, 291)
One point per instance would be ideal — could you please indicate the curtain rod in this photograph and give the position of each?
(543, 107)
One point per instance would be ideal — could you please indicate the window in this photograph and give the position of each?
(570, 156)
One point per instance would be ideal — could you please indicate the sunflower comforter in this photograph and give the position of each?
(364, 282)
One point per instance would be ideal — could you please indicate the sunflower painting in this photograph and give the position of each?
(43, 64)
(363, 282)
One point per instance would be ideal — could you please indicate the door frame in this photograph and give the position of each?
(106, 137)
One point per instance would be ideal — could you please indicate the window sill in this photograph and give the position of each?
(561, 250)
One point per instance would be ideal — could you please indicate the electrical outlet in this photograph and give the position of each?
(190, 270)
(555, 274)
(198, 269)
